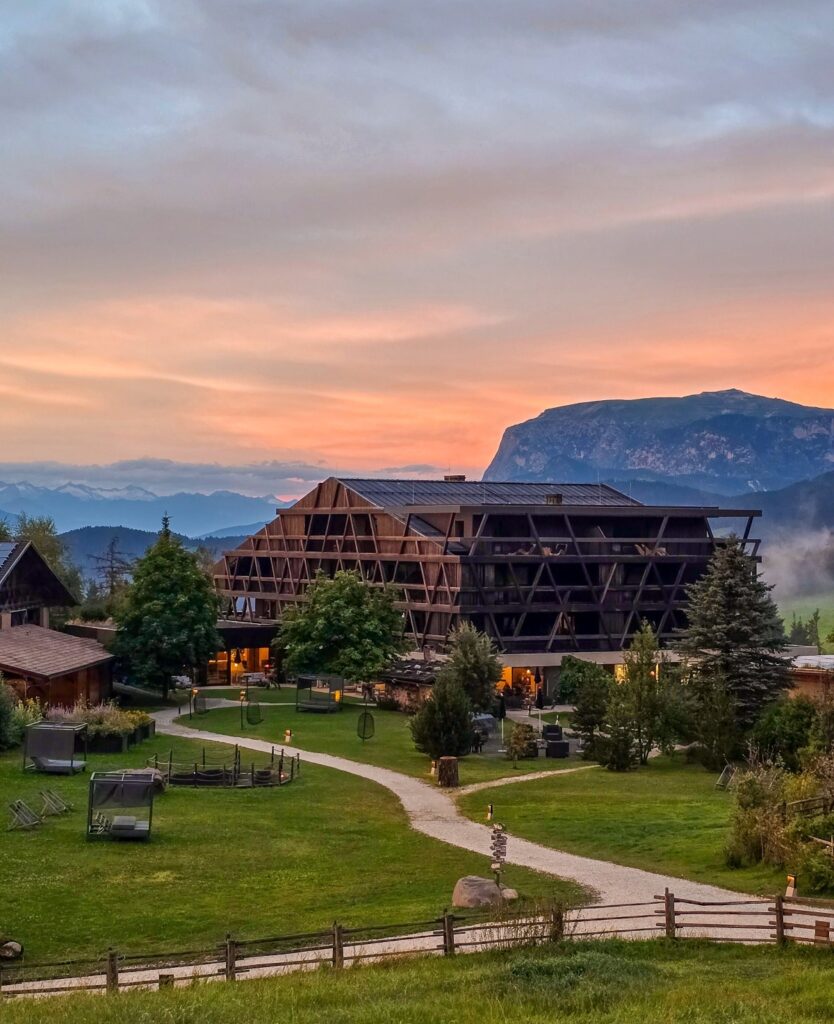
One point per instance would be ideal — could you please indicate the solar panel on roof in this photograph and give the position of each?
(475, 492)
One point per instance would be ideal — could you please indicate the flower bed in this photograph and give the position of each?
(110, 729)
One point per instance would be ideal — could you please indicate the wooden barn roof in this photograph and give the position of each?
(47, 654)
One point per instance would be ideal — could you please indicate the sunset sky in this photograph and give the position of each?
(369, 235)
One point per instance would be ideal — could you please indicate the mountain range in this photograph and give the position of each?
(89, 543)
(720, 442)
(76, 505)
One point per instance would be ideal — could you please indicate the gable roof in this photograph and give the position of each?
(45, 653)
(402, 493)
(41, 585)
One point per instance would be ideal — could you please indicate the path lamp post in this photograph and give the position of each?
(192, 696)
(242, 699)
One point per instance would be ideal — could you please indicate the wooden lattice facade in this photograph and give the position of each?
(543, 568)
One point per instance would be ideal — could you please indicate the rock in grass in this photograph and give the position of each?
(473, 891)
(10, 950)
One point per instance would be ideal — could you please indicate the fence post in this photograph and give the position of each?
(557, 923)
(448, 933)
(669, 906)
(112, 971)
(338, 946)
(231, 952)
(779, 909)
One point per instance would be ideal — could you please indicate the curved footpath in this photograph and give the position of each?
(434, 812)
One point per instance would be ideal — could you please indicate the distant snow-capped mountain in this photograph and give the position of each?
(74, 505)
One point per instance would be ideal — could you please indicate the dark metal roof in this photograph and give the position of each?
(402, 493)
(7, 553)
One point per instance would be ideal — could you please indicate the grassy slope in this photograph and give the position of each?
(254, 862)
(391, 746)
(601, 983)
(666, 817)
(804, 607)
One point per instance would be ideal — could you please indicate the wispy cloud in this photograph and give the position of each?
(369, 232)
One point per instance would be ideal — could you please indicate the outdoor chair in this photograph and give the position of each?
(23, 817)
(53, 803)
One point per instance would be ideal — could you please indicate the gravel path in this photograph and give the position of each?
(434, 812)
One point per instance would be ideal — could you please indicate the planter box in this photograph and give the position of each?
(110, 744)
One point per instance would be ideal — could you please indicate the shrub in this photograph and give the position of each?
(8, 700)
(105, 719)
(26, 712)
(522, 742)
(784, 729)
(443, 725)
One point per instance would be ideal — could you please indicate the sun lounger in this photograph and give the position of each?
(53, 803)
(23, 817)
(53, 766)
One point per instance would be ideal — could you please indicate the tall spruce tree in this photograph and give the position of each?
(735, 634)
(168, 621)
(473, 662)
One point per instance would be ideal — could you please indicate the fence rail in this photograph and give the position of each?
(757, 921)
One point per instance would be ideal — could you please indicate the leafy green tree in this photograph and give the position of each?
(344, 627)
(5, 532)
(443, 725)
(735, 633)
(168, 622)
(784, 729)
(573, 672)
(473, 662)
(646, 690)
(593, 686)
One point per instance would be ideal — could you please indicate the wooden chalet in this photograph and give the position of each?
(546, 569)
(34, 659)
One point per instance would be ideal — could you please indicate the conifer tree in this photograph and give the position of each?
(168, 621)
(735, 634)
(591, 703)
(473, 662)
(443, 725)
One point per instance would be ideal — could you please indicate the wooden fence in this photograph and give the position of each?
(755, 921)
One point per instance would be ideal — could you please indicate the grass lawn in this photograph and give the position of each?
(259, 862)
(804, 607)
(666, 817)
(391, 746)
(590, 983)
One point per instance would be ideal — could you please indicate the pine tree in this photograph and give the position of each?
(443, 725)
(644, 690)
(735, 633)
(168, 621)
(618, 746)
(473, 662)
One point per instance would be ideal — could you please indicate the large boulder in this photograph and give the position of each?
(10, 950)
(473, 891)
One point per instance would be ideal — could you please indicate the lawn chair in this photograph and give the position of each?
(53, 803)
(23, 817)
